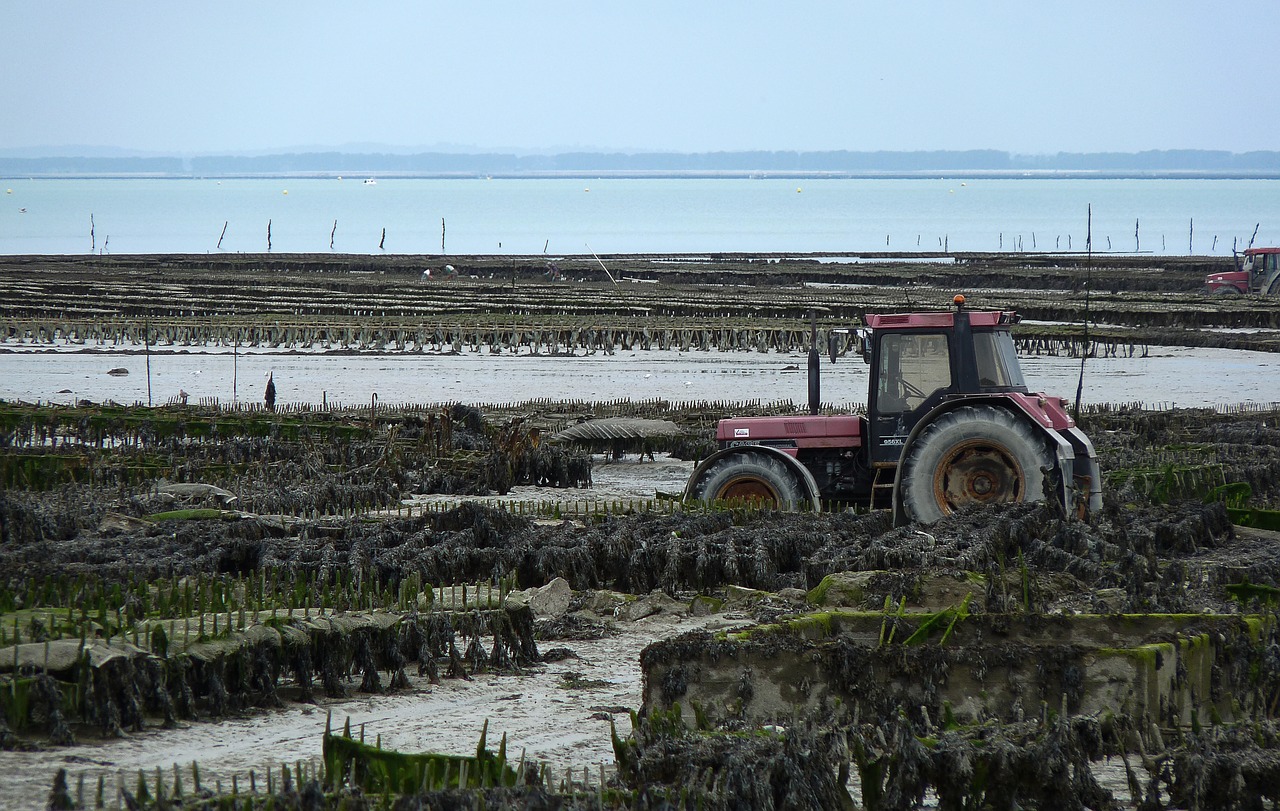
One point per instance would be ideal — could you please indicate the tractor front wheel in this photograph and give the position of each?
(751, 478)
(973, 455)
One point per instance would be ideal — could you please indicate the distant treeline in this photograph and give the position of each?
(1153, 162)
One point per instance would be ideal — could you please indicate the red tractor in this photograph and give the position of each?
(1257, 271)
(949, 423)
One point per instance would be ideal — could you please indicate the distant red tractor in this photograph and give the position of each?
(1257, 271)
(949, 423)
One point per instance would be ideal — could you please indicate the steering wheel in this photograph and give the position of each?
(911, 390)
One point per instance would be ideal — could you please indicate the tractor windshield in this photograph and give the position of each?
(997, 360)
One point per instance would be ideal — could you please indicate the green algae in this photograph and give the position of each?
(193, 515)
(354, 764)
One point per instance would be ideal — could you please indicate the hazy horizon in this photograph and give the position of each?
(153, 78)
(370, 149)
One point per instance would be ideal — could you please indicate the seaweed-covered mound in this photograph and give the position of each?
(186, 571)
(1154, 558)
(302, 463)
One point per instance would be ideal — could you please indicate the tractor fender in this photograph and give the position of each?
(1086, 466)
(1271, 285)
(801, 472)
(1063, 450)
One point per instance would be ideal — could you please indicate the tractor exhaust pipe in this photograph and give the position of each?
(815, 366)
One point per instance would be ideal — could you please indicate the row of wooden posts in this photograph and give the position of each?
(458, 338)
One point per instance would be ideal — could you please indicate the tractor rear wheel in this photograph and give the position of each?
(752, 478)
(973, 455)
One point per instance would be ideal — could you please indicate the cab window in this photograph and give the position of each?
(912, 367)
(997, 360)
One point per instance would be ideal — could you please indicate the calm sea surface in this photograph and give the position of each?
(1168, 376)
(611, 215)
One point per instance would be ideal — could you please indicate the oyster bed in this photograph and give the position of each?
(223, 587)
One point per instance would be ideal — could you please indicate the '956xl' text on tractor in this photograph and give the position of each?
(949, 423)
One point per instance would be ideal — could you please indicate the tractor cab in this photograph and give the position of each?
(922, 359)
(1260, 261)
(1262, 268)
(1257, 271)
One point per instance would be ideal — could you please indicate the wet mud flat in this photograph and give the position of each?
(172, 575)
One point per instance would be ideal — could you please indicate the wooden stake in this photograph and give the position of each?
(146, 339)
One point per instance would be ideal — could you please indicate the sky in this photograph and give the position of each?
(683, 76)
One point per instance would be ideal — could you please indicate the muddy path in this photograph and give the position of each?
(556, 715)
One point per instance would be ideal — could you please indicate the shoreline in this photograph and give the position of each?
(672, 174)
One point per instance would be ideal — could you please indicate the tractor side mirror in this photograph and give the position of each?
(864, 345)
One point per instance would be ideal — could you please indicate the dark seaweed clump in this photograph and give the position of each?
(1171, 558)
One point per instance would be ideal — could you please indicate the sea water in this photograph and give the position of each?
(561, 216)
(1165, 377)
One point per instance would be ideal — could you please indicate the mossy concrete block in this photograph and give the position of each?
(923, 590)
(704, 606)
(738, 595)
(842, 589)
(1021, 590)
(939, 591)
(1005, 667)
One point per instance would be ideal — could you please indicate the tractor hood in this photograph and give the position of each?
(1228, 277)
(800, 431)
